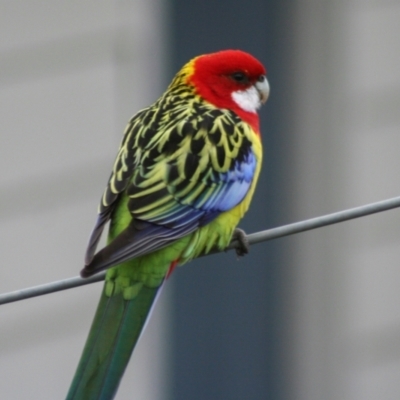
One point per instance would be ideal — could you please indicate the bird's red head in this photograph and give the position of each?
(231, 79)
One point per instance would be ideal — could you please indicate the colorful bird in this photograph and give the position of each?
(183, 178)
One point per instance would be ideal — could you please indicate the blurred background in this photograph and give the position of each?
(310, 317)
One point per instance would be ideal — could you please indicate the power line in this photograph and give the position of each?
(252, 238)
(47, 288)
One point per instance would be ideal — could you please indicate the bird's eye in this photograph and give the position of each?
(239, 77)
(261, 78)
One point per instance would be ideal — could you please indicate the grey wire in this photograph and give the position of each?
(47, 288)
(253, 238)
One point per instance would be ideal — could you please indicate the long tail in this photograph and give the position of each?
(114, 333)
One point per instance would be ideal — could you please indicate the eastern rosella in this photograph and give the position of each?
(182, 180)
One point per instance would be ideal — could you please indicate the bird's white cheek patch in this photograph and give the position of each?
(247, 100)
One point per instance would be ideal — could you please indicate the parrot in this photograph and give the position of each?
(183, 178)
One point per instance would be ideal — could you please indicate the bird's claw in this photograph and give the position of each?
(241, 243)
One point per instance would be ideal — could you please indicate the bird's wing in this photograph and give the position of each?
(174, 180)
(117, 183)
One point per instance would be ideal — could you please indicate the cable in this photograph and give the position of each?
(253, 238)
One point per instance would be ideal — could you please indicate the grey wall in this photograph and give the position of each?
(229, 326)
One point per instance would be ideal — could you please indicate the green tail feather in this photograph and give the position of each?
(115, 330)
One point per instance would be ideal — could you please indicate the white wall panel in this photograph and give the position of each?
(71, 75)
(347, 299)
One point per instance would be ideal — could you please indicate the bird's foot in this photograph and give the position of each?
(241, 243)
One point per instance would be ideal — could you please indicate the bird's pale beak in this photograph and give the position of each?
(262, 87)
